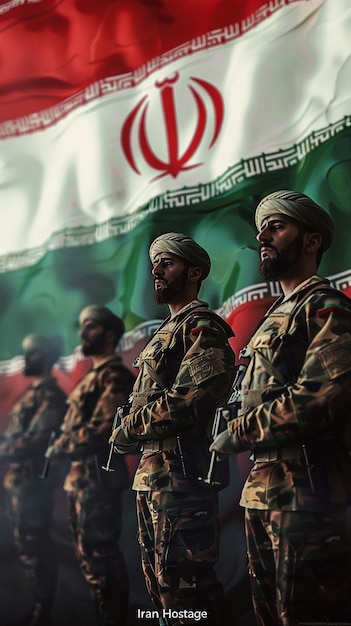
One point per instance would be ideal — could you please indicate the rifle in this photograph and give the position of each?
(234, 400)
(44, 472)
(117, 418)
(209, 480)
(226, 412)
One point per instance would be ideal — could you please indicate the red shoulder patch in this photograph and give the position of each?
(331, 309)
(208, 329)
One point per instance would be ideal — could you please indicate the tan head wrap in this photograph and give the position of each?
(51, 347)
(104, 316)
(184, 247)
(301, 208)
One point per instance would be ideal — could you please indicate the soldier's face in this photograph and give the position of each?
(281, 244)
(93, 338)
(34, 363)
(170, 277)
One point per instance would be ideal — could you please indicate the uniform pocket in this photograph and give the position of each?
(190, 536)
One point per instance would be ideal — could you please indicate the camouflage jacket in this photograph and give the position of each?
(185, 371)
(296, 402)
(88, 422)
(38, 411)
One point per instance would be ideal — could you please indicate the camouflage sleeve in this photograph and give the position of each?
(6, 447)
(80, 437)
(317, 405)
(47, 417)
(21, 412)
(8, 438)
(203, 379)
(116, 388)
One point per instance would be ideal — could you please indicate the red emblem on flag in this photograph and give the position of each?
(208, 108)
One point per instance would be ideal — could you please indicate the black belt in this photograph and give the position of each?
(159, 445)
(266, 455)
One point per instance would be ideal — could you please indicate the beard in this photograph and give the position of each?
(274, 268)
(33, 368)
(94, 346)
(165, 295)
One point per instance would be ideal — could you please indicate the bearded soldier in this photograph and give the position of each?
(185, 371)
(295, 417)
(95, 496)
(38, 412)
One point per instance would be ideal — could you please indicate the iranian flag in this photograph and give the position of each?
(123, 119)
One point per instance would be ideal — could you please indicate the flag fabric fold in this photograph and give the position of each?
(111, 133)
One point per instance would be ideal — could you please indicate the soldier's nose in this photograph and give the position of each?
(157, 271)
(263, 235)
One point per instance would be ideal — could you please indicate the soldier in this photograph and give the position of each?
(95, 496)
(36, 413)
(295, 417)
(185, 371)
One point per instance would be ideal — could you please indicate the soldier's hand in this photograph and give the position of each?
(122, 443)
(223, 443)
(49, 454)
(53, 454)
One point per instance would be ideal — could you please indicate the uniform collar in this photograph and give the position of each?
(306, 284)
(43, 381)
(110, 358)
(194, 304)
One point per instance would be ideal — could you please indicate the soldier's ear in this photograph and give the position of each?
(111, 335)
(313, 242)
(195, 274)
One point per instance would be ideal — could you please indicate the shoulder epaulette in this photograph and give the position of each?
(332, 309)
(209, 321)
(205, 325)
(336, 305)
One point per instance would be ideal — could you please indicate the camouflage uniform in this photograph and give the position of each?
(295, 416)
(38, 411)
(185, 371)
(95, 495)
